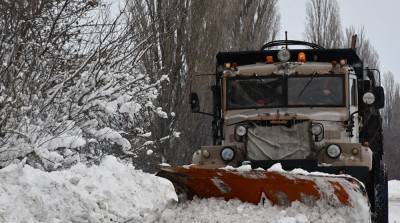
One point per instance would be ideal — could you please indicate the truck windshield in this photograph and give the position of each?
(316, 91)
(294, 91)
(255, 92)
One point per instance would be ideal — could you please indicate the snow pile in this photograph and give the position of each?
(110, 192)
(394, 201)
(394, 190)
(116, 192)
(215, 210)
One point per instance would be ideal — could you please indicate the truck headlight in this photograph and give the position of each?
(316, 129)
(368, 98)
(227, 154)
(240, 130)
(333, 151)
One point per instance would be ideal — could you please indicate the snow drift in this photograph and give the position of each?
(110, 192)
(116, 192)
(394, 201)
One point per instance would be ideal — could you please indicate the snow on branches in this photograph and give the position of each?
(71, 87)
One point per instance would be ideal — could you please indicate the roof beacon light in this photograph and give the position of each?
(284, 55)
(269, 59)
(301, 57)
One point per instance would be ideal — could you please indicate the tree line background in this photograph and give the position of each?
(82, 79)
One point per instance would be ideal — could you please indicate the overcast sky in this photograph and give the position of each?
(381, 19)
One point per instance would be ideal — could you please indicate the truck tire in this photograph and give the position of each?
(381, 195)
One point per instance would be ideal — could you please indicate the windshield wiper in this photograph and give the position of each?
(262, 80)
(274, 83)
(305, 86)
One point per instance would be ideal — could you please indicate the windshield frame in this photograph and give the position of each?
(285, 90)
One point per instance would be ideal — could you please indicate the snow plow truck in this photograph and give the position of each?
(312, 111)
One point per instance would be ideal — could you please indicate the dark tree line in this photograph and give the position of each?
(391, 114)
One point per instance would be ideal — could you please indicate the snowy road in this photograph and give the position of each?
(394, 210)
(394, 201)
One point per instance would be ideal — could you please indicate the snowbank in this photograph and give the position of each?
(115, 192)
(110, 192)
(394, 190)
(394, 201)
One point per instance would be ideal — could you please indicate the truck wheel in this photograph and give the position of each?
(381, 195)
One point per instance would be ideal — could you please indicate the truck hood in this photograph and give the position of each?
(316, 114)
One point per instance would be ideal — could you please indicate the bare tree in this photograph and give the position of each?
(396, 109)
(323, 25)
(391, 120)
(364, 48)
(391, 99)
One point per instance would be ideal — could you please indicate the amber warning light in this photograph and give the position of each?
(269, 59)
(301, 57)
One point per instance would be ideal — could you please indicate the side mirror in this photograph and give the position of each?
(380, 97)
(194, 102)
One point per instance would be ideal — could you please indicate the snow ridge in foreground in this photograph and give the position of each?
(116, 192)
(110, 192)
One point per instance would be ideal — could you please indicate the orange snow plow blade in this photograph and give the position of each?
(260, 186)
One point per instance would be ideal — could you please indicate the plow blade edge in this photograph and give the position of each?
(260, 186)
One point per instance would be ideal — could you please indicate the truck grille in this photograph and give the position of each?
(278, 142)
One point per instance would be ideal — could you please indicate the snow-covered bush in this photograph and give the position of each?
(71, 87)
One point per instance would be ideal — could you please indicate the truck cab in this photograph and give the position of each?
(294, 110)
(282, 105)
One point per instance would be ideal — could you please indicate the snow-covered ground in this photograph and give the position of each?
(394, 201)
(115, 192)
